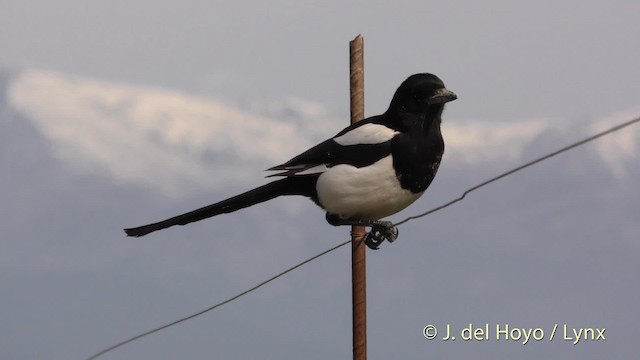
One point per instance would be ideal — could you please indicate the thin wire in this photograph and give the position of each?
(216, 305)
(522, 167)
(543, 158)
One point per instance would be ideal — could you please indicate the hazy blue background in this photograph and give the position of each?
(115, 114)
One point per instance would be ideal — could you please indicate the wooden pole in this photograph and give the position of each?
(358, 263)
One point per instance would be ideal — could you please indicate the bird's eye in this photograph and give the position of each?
(419, 98)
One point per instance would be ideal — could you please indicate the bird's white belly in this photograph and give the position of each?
(371, 192)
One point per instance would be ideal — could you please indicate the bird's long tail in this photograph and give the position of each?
(286, 186)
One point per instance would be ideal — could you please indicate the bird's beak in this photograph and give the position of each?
(442, 96)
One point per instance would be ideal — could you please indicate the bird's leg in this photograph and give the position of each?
(380, 230)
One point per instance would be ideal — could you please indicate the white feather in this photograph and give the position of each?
(366, 134)
(371, 192)
(313, 170)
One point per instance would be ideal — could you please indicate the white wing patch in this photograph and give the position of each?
(302, 169)
(366, 134)
(313, 170)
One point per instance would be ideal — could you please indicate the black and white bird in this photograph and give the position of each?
(368, 171)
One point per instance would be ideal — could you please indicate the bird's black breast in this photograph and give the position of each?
(416, 157)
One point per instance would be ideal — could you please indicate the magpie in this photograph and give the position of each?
(370, 170)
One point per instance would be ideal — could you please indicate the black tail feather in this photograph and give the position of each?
(287, 186)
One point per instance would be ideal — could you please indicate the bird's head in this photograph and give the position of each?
(421, 94)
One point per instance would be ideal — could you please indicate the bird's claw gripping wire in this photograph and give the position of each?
(381, 231)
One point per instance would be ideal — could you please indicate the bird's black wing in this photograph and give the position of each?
(359, 145)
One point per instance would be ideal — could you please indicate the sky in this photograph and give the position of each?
(114, 114)
(506, 59)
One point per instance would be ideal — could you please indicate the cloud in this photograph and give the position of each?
(158, 138)
(478, 141)
(619, 150)
(176, 144)
(523, 251)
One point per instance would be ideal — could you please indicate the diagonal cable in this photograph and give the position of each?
(485, 183)
(522, 167)
(146, 333)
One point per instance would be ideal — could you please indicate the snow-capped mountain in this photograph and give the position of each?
(82, 158)
(162, 139)
(176, 143)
